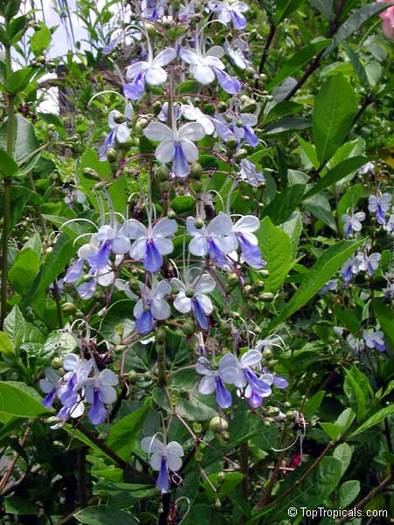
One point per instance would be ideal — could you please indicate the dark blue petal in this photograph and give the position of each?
(144, 323)
(256, 399)
(49, 398)
(134, 90)
(251, 252)
(229, 84)
(100, 260)
(163, 479)
(255, 383)
(153, 260)
(199, 314)
(216, 254)
(97, 413)
(180, 166)
(238, 19)
(69, 397)
(223, 396)
(250, 137)
(280, 382)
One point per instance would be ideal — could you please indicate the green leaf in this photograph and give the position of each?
(356, 20)
(357, 65)
(277, 250)
(326, 8)
(54, 264)
(348, 492)
(333, 114)
(354, 392)
(6, 346)
(40, 40)
(124, 431)
(18, 80)
(377, 418)
(104, 515)
(332, 430)
(284, 203)
(20, 331)
(25, 141)
(312, 405)
(287, 124)
(23, 270)
(385, 317)
(343, 453)
(298, 61)
(17, 399)
(336, 174)
(321, 272)
(315, 489)
(231, 481)
(284, 8)
(8, 167)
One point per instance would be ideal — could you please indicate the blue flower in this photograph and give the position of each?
(215, 240)
(164, 458)
(380, 205)
(149, 72)
(248, 173)
(152, 243)
(99, 392)
(152, 306)
(374, 339)
(215, 380)
(243, 232)
(205, 67)
(193, 298)
(230, 12)
(176, 146)
(352, 223)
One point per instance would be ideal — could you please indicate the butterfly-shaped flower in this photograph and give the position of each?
(350, 269)
(99, 392)
(50, 386)
(120, 131)
(368, 263)
(229, 11)
(248, 173)
(152, 306)
(78, 370)
(236, 52)
(228, 372)
(176, 145)
(374, 339)
(193, 298)
(192, 113)
(380, 204)
(150, 72)
(352, 223)
(243, 231)
(215, 240)
(164, 458)
(151, 243)
(205, 67)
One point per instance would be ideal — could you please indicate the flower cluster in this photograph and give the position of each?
(82, 383)
(253, 382)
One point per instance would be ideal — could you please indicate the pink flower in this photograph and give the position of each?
(388, 21)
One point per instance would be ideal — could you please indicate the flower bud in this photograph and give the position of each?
(266, 297)
(218, 424)
(196, 170)
(57, 362)
(68, 307)
(111, 154)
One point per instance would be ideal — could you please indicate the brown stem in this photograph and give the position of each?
(316, 61)
(267, 46)
(363, 502)
(265, 497)
(244, 464)
(308, 471)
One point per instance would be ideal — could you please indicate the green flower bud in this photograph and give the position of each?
(218, 424)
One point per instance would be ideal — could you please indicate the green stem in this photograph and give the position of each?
(7, 195)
